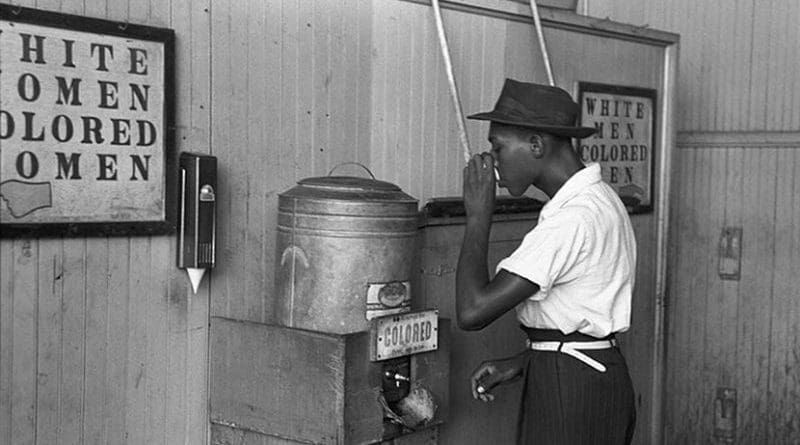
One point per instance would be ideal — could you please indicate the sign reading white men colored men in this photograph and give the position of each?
(623, 145)
(84, 125)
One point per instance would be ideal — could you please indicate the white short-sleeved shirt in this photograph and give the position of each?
(582, 254)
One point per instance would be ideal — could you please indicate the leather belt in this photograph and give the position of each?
(574, 348)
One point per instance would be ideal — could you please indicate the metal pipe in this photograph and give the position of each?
(448, 65)
(538, 24)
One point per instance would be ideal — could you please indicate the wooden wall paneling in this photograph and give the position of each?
(305, 161)
(698, 292)
(432, 66)
(96, 347)
(760, 54)
(117, 339)
(417, 145)
(319, 28)
(721, 299)
(737, 70)
(783, 396)
(741, 66)
(443, 115)
(187, 377)
(382, 24)
(49, 324)
(403, 150)
(755, 297)
(23, 353)
(72, 367)
(492, 75)
(670, 320)
(393, 164)
(636, 343)
(720, 45)
(289, 73)
(81, 336)
(340, 145)
(261, 154)
(678, 312)
(188, 313)
(6, 337)
(255, 159)
(703, 88)
(791, 92)
(360, 33)
(67, 6)
(156, 301)
(734, 211)
(773, 26)
(340, 51)
(229, 39)
(186, 414)
(273, 150)
(137, 373)
(712, 325)
(95, 8)
(523, 58)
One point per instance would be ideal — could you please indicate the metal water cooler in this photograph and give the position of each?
(350, 359)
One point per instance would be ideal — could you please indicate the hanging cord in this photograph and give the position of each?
(448, 65)
(538, 24)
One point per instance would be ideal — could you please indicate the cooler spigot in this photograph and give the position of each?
(396, 376)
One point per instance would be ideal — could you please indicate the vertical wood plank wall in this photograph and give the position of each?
(102, 340)
(737, 165)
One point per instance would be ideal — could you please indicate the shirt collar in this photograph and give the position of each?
(582, 179)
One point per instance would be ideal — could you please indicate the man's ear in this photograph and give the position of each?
(537, 145)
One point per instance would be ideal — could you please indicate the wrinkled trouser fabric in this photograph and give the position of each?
(567, 402)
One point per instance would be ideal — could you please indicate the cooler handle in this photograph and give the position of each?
(352, 163)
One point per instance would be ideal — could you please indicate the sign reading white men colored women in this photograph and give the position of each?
(623, 143)
(82, 123)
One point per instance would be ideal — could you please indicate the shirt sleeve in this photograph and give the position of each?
(549, 253)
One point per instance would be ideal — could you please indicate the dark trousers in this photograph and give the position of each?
(565, 401)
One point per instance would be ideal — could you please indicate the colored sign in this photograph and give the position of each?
(404, 334)
(83, 121)
(623, 145)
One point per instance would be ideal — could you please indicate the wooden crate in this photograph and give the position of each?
(309, 387)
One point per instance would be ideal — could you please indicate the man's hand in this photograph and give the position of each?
(479, 187)
(493, 373)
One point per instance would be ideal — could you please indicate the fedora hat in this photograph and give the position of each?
(541, 107)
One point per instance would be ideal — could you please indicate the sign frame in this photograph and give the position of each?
(633, 203)
(118, 224)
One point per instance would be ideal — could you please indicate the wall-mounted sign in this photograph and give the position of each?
(404, 334)
(86, 125)
(625, 139)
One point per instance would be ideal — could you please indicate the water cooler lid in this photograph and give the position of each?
(348, 188)
(350, 183)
